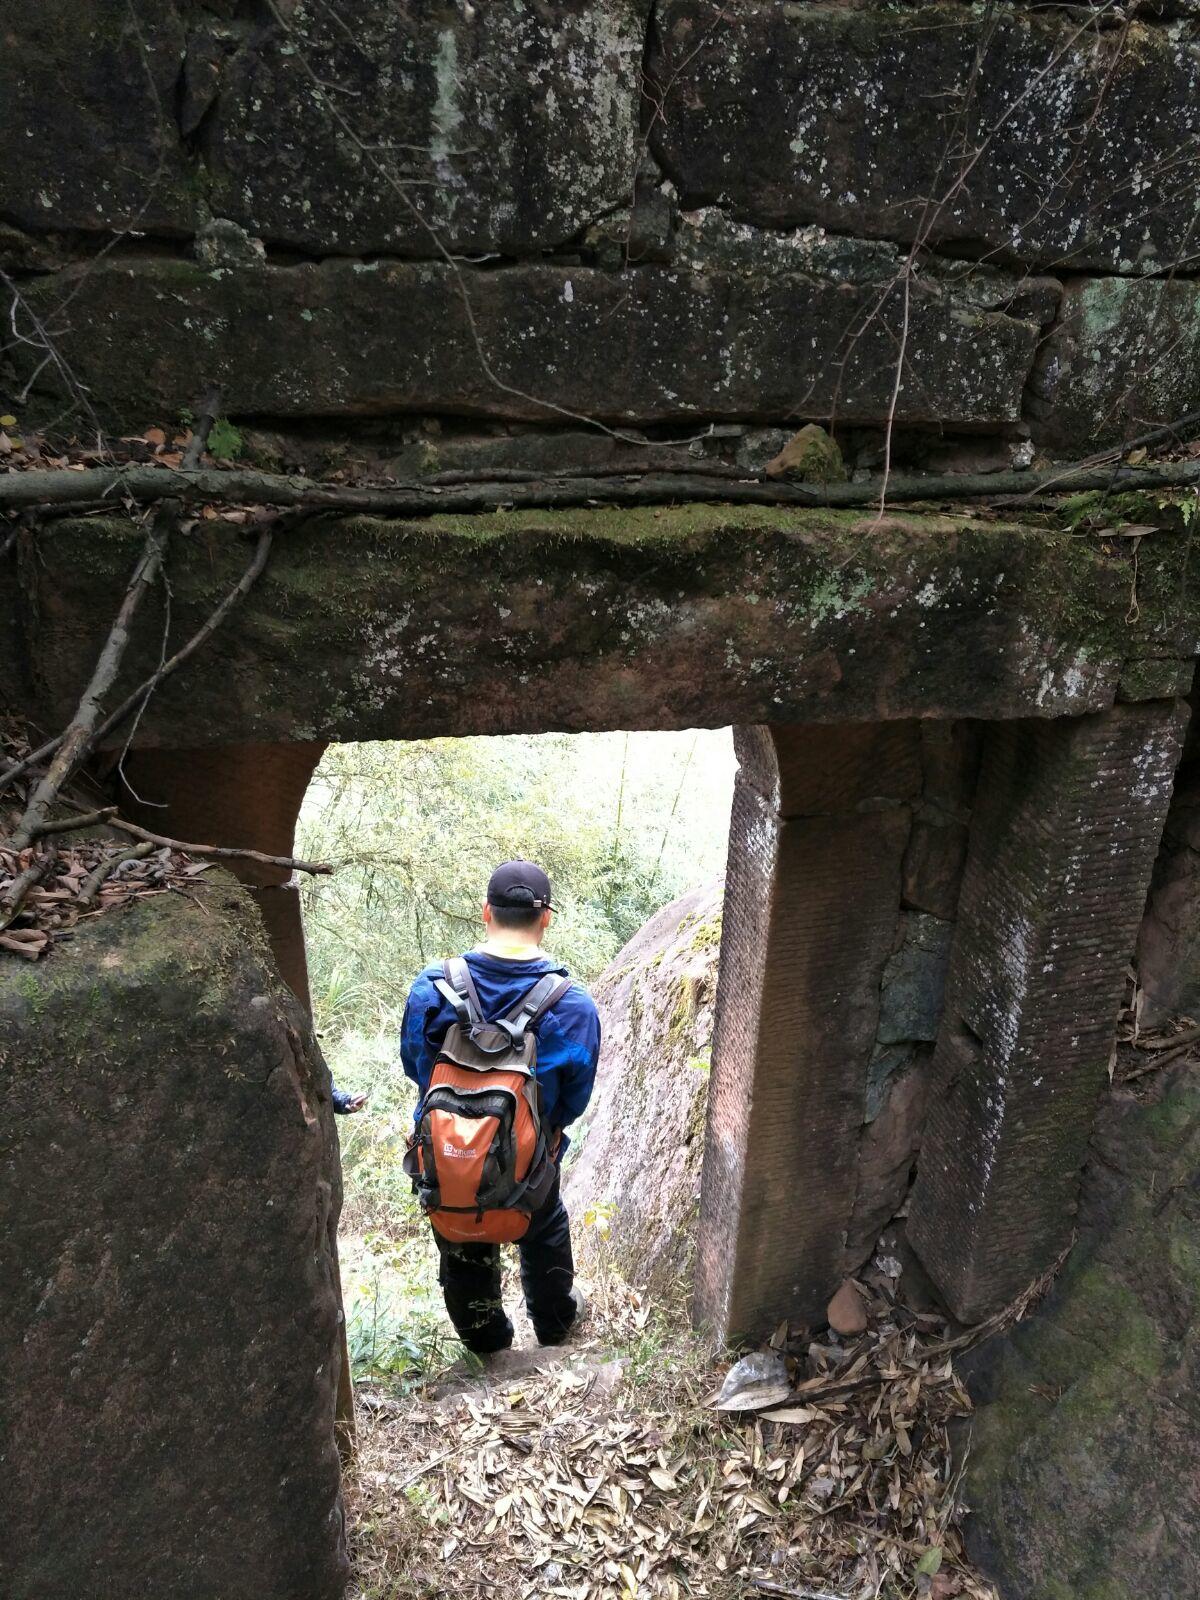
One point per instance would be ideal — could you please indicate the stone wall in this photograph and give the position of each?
(169, 1329)
(647, 214)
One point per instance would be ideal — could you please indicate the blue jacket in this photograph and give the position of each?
(568, 1035)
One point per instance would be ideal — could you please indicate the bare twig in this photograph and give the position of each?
(14, 897)
(90, 819)
(769, 1586)
(77, 739)
(1187, 1036)
(95, 879)
(220, 852)
(148, 484)
(144, 690)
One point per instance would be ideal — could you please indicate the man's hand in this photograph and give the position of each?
(356, 1102)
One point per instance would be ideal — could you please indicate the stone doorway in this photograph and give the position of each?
(872, 866)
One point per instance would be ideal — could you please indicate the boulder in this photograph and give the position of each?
(637, 1158)
(169, 1343)
(1085, 1449)
(795, 114)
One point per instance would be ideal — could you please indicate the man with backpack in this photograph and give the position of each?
(503, 1048)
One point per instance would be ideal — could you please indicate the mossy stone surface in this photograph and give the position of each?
(680, 616)
(1084, 1451)
(169, 1324)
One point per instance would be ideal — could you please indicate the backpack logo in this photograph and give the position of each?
(454, 1152)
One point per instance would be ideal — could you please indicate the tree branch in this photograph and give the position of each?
(15, 895)
(220, 852)
(148, 484)
(77, 741)
(144, 690)
(96, 879)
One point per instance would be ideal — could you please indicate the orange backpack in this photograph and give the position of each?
(478, 1157)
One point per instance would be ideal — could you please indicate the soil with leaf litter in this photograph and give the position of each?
(539, 1476)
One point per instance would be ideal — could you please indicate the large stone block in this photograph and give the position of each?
(1063, 838)
(537, 342)
(650, 618)
(498, 127)
(87, 129)
(811, 907)
(169, 1324)
(1124, 354)
(1035, 135)
(1084, 1453)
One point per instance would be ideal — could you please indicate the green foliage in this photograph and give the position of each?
(225, 442)
(395, 1326)
(622, 822)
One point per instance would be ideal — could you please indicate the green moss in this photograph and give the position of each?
(684, 1013)
(708, 935)
(697, 1115)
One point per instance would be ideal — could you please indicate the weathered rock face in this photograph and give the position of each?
(509, 127)
(169, 1325)
(640, 1150)
(1085, 1449)
(647, 345)
(86, 93)
(1076, 385)
(1063, 842)
(1168, 949)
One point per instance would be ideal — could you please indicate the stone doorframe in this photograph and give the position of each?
(825, 822)
(829, 841)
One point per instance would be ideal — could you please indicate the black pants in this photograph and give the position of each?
(470, 1278)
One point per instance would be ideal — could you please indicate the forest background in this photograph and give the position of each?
(622, 822)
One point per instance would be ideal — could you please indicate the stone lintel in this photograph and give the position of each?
(811, 906)
(685, 616)
(1062, 843)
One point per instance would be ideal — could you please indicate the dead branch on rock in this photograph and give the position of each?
(220, 852)
(96, 879)
(90, 819)
(142, 693)
(150, 484)
(78, 740)
(17, 892)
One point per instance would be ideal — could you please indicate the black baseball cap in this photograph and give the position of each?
(519, 886)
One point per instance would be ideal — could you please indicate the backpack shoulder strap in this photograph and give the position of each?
(458, 987)
(546, 992)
